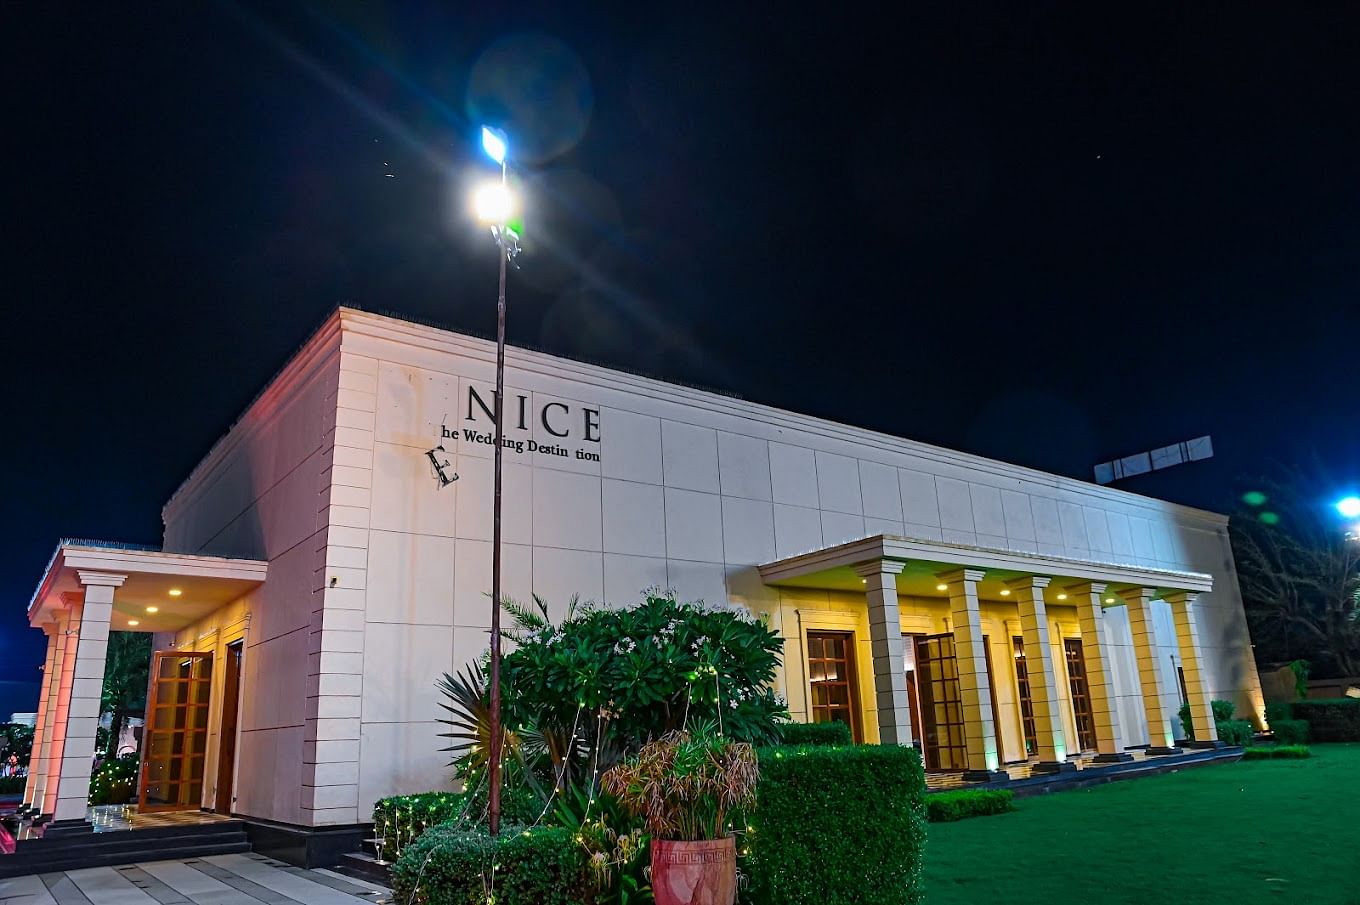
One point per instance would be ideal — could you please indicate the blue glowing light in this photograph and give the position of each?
(1349, 507)
(493, 143)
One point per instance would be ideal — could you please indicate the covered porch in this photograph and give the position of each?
(89, 589)
(932, 671)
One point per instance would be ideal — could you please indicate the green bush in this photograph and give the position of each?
(116, 780)
(1289, 732)
(1236, 732)
(400, 820)
(946, 807)
(1279, 710)
(833, 733)
(1223, 710)
(1276, 752)
(12, 785)
(1186, 722)
(837, 825)
(452, 866)
(1331, 720)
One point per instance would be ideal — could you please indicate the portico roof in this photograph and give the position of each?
(204, 583)
(832, 568)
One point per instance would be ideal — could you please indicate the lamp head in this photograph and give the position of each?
(494, 203)
(1349, 507)
(494, 144)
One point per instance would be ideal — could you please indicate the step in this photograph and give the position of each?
(149, 834)
(23, 865)
(363, 866)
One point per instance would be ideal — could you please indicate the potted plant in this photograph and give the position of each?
(685, 785)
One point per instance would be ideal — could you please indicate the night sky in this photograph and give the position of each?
(1052, 235)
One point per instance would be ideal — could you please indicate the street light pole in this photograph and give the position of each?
(494, 752)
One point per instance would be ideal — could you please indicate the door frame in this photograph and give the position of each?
(229, 734)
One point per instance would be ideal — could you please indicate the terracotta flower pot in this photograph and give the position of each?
(694, 873)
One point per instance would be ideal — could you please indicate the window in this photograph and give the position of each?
(831, 675)
(1081, 694)
(1026, 702)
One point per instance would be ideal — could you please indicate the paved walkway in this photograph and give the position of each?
(214, 880)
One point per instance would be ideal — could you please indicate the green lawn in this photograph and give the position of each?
(1260, 831)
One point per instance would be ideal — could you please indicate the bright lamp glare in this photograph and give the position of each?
(493, 143)
(1349, 507)
(493, 203)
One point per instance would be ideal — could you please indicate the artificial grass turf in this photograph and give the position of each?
(1248, 832)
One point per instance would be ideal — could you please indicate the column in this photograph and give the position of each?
(1043, 685)
(60, 701)
(885, 637)
(1089, 597)
(974, 684)
(1192, 663)
(1156, 706)
(33, 787)
(72, 791)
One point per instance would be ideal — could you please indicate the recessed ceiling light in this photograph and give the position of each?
(175, 592)
(1005, 592)
(942, 587)
(1109, 600)
(1062, 596)
(864, 581)
(133, 622)
(153, 609)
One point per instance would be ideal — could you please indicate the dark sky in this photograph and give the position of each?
(1049, 234)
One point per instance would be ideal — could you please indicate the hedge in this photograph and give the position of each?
(452, 866)
(832, 733)
(837, 825)
(1276, 752)
(1289, 732)
(1279, 710)
(401, 819)
(946, 807)
(1331, 720)
(12, 785)
(1238, 733)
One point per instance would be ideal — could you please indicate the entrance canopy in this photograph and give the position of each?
(203, 583)
(834, 568)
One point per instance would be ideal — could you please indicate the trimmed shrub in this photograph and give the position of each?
(1276, 752)
(1186, 722)
(12, 785)
(1223, 710)
(401, 819)
(115, 782)
(837, 825)
(1331, 720)
(1238, 733)
(452, 866)
(1289, 732)
(833, 733)
(1279, 710)
(946, 807)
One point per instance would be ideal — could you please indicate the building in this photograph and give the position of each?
(318, 575)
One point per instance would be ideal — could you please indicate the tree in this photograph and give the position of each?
(126, 672)
(1300, 574)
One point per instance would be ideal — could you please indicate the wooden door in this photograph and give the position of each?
(1081, 694)
(231, 708)
(831, 674)
(937, 685)
(175, 739)
(1026, 701)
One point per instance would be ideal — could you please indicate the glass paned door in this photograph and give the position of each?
(1026, 702)
(831, 674)
(1081, 694)
(937, 685)
(176, 734)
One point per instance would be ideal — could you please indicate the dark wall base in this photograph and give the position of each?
(305, 846)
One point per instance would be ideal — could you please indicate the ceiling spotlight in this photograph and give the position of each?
(1062, 596)
(1109, 600)
(1005, 592)
(133, 622)
(942, 587)
(153, 609)
(175, 592)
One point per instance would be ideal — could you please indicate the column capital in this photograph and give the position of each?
(1028, 582)
(1091, 588)
(73, 598)
(1181, 597)
(1136, 595)
(104, 579)
(879, 567)
(953, 575)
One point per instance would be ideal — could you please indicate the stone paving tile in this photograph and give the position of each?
(151, 886)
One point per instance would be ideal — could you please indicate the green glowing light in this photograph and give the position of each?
(1269, 518)
(1254, 498)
